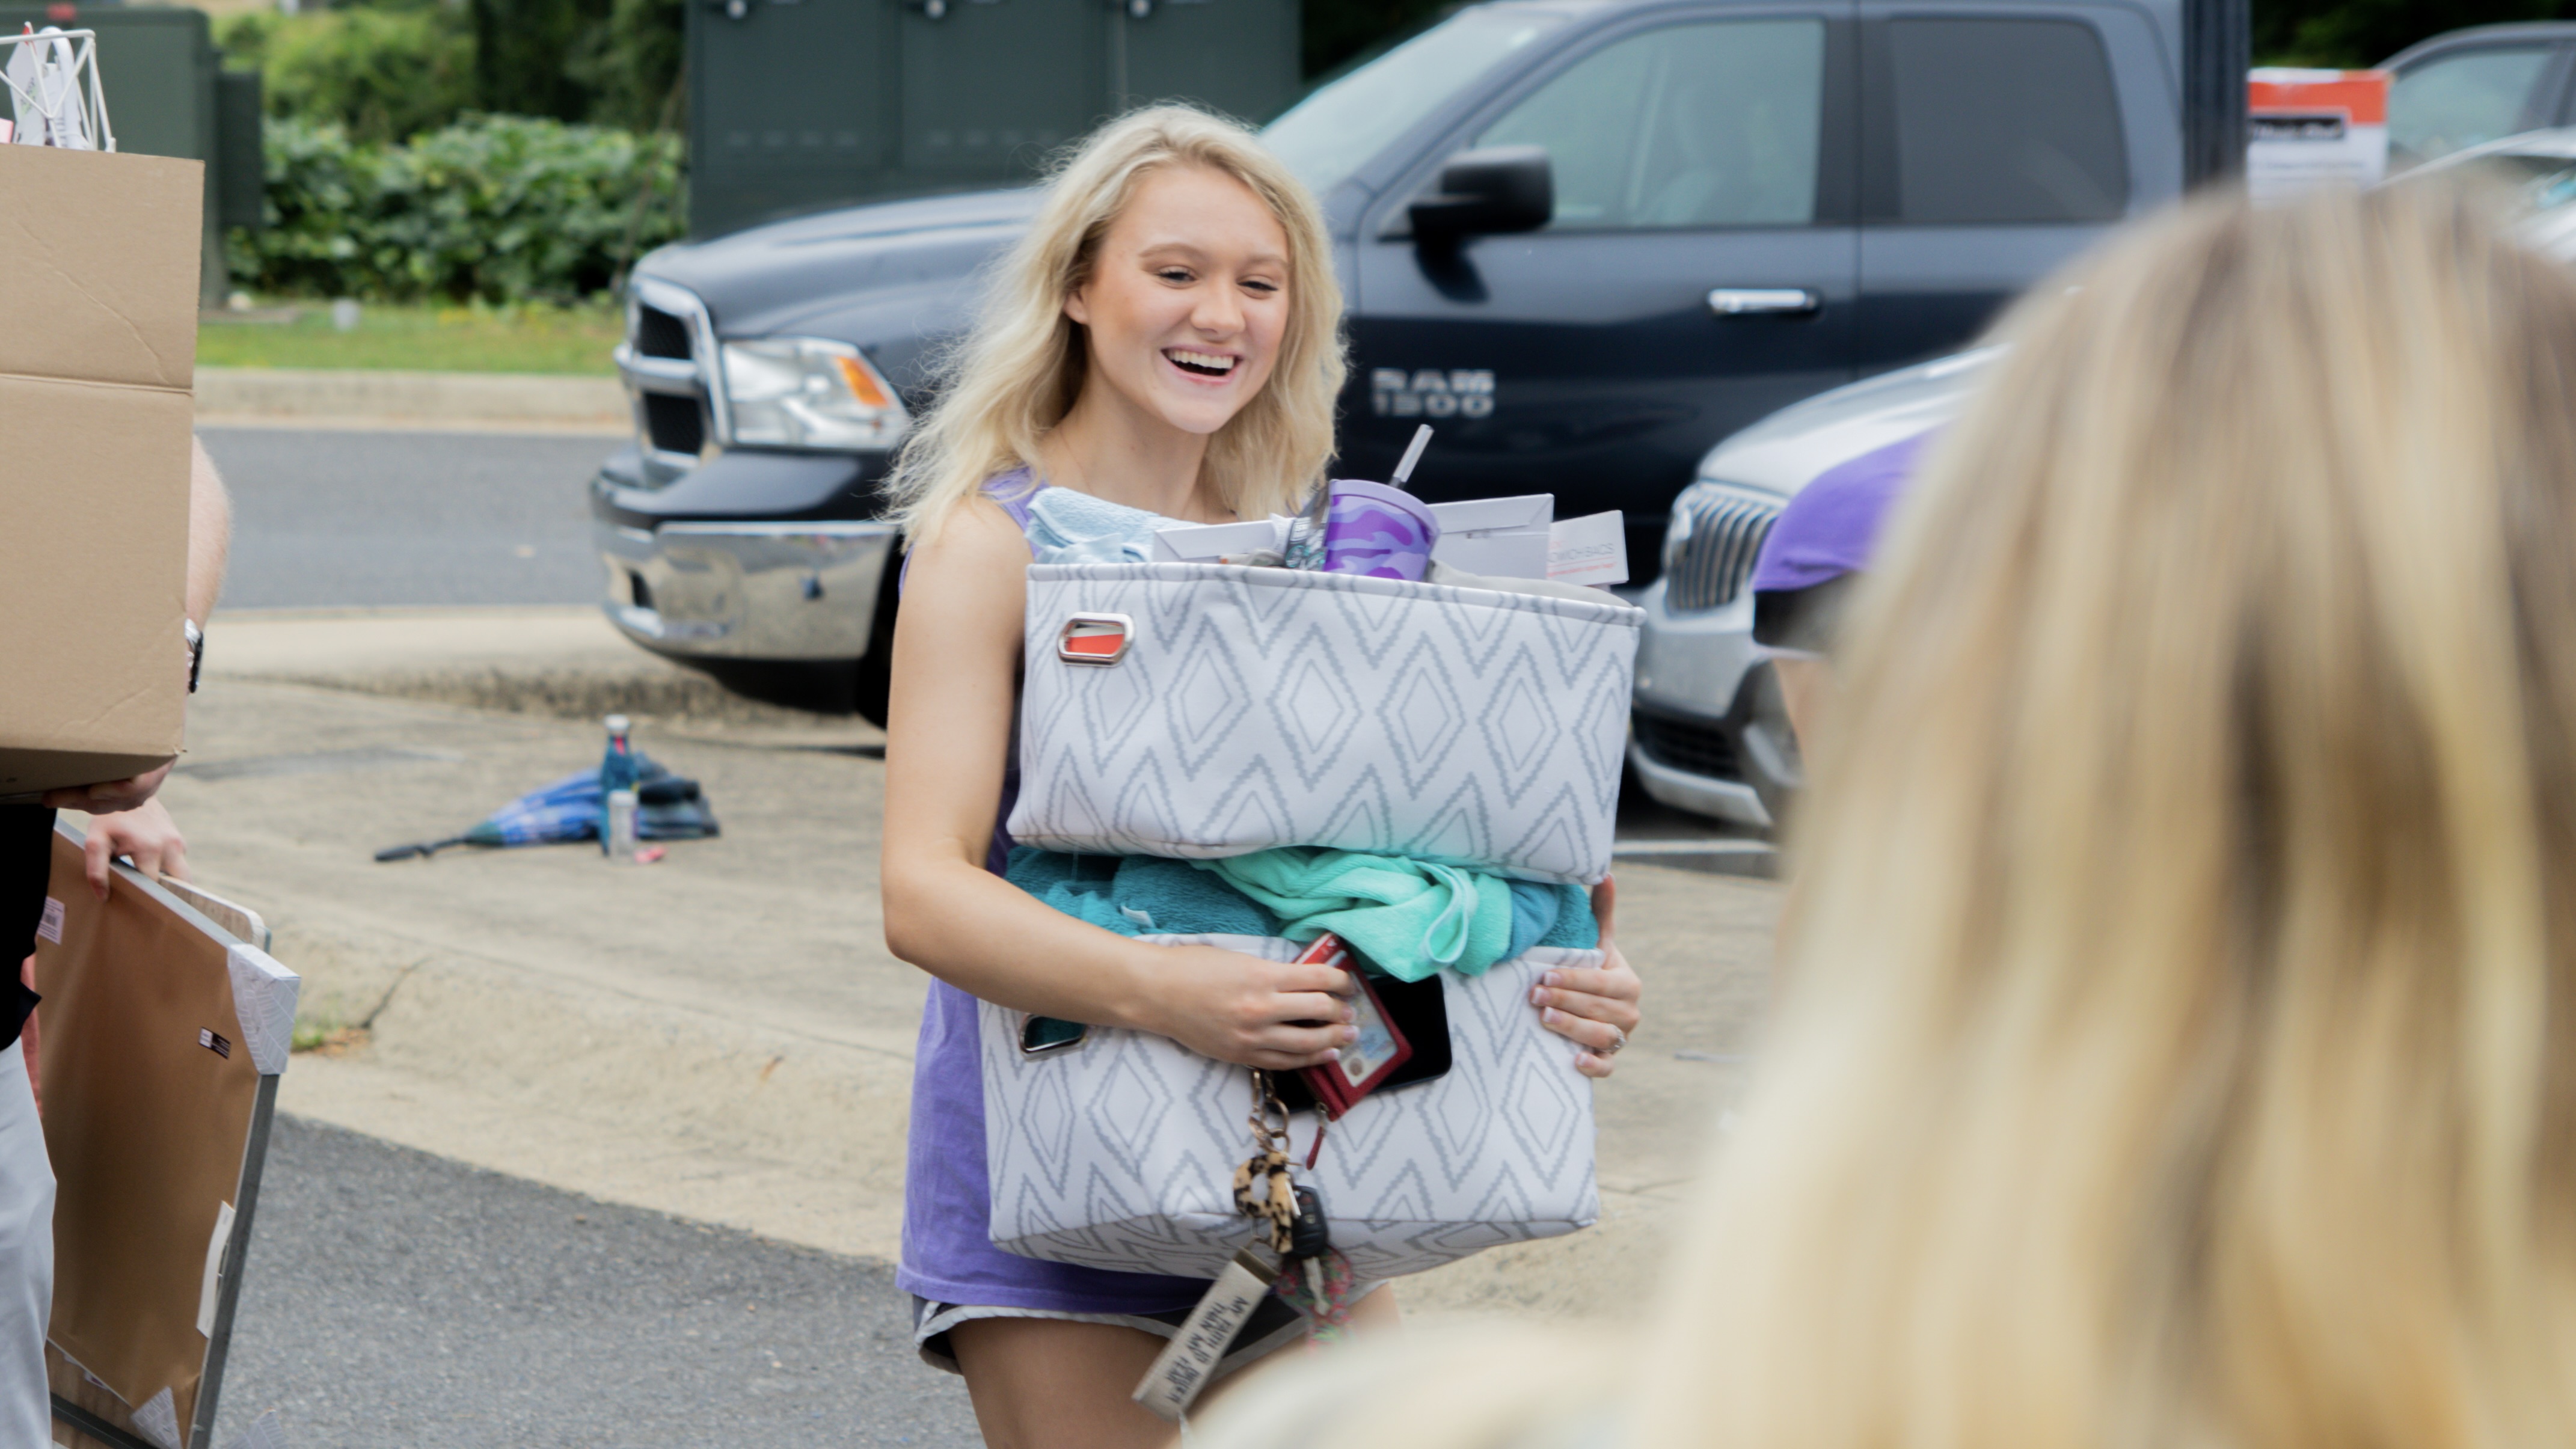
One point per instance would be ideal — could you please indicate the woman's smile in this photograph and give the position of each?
(1214, 366)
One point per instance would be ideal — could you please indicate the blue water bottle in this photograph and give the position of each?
(616, 772)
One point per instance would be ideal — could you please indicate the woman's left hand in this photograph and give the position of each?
(1595, 1009)
(144, 834)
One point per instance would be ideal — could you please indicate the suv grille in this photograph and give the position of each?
(659, 334)
(1713, 565)
(1694, 746)
(674, 424)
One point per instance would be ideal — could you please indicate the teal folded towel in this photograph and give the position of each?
(1409, 918)
(1143, 895)
(1551, 915)
(1137, 895)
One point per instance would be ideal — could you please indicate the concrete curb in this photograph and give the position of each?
(384, 398)
(563, 661)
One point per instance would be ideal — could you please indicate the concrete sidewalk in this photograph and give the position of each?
(723, 1034)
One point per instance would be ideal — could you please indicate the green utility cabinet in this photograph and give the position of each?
(169, 95)
(800, 104)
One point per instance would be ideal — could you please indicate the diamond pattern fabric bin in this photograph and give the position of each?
(1258, 707)
(1120, 1153)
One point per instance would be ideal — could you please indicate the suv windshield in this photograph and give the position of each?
(1327, 136)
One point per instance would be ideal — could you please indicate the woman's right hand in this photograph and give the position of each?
(1275, 1015)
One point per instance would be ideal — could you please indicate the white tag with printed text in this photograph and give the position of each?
(1592, 549)
(1191, 1358)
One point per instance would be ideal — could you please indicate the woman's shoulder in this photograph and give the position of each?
(1013, 492)
(980, 533)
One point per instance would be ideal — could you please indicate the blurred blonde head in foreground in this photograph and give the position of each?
(2177, 1048)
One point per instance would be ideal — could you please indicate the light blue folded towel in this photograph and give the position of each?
(1070, 526)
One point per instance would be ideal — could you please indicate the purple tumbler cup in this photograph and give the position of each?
(1382, 532)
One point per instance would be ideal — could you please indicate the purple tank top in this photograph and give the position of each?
(948, 1252)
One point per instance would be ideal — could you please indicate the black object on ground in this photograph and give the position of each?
(668, 807)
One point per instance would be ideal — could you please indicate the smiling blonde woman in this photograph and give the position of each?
(2180, 1040)
(1166, 337)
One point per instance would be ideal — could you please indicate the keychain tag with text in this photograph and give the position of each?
(1191, 1358)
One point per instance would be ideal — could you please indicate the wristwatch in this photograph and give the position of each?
(196, 650)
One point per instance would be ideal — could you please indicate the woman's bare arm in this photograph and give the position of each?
(956, 661)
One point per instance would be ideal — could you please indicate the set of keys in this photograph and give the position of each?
(1310, 1275)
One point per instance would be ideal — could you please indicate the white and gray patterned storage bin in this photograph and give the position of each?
(1120, 1153)
(1208, 710)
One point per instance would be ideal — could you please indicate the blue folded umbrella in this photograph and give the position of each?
(573, 808)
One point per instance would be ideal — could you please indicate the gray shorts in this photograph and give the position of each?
(1274, 1326)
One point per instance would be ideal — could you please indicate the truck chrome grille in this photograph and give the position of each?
(666, 362)
(674, 424)
(659, 334)
(1711, 566)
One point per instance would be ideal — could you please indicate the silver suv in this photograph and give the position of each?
(1708, 733)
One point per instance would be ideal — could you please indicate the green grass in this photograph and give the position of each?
(417, 338)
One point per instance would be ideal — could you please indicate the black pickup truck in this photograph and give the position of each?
(1585, 238)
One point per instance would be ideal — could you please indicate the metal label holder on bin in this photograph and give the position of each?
(157, 1118)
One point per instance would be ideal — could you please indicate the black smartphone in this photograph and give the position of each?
(1040, 1035)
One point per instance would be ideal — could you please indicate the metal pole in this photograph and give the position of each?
(2217, 50)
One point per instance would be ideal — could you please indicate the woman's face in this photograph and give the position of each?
(1188, 298)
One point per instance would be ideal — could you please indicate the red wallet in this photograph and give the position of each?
(1365, 1062)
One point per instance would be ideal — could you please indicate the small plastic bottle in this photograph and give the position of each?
(617, 775)
(617, 835)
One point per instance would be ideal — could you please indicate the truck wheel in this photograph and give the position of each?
(875, 677)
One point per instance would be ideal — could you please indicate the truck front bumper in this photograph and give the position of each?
(751, 555)
(769, 591)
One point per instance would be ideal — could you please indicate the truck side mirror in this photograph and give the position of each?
(1484, 193)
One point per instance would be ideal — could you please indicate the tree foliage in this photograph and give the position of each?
(387, 70)
(629, 64)
(382, 72)
(1337, 32)
(2366, 32)
(504, 208)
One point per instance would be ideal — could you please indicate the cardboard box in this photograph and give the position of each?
(99, 261)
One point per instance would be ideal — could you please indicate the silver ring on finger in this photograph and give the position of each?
(1618, 1044)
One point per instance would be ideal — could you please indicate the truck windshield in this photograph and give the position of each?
(1331, 133)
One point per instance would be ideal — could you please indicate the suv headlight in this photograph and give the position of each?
(1677, 528)
(804, 392)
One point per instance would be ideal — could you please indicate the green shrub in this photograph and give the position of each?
(383, 72)
(501, 208)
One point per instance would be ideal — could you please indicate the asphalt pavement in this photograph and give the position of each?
(395, 1298)
(326, 518)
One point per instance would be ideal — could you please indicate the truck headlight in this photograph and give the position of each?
(804, 392)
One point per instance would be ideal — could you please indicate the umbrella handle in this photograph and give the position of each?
(423, 849)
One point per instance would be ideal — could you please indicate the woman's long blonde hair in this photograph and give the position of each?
(1020, 368)
(2178, 1046)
